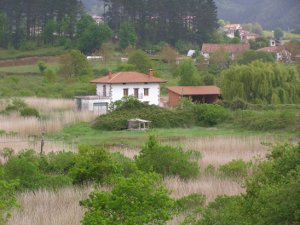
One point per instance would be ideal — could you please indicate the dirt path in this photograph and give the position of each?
(28, 61)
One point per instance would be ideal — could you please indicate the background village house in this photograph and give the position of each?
(113, 87)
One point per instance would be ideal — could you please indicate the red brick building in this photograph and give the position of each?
(198, 94)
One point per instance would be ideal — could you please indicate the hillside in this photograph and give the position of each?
(269, 13)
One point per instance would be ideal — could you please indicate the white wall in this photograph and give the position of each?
(116, 91)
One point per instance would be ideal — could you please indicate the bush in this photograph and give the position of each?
(208, 114)
(132, 108)
(28, 112)
(25, 167)
(190, 202)
(92, 164)
(267, 120)
(166, 160)
(235, 168)
(139, 199)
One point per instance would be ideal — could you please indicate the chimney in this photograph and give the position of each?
(150, 73)
(109, 75)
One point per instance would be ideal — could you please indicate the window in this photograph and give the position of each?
(125, 92)
(104, 90)
(136, 92)
(146, 91)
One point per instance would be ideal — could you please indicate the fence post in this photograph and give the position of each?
(42, 144)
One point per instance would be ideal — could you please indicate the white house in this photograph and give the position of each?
(113, 87)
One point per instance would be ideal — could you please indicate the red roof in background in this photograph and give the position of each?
(127, 77)
(273, 49)
(230, 48)
(195, 90)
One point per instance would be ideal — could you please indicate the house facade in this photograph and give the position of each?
(281, 54)
(113, 87)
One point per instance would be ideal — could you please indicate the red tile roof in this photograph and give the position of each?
(127, 77)
(230, 48)
(195, 90)
(273, 49)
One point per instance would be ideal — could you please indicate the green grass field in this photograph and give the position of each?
(15, 54)
(82, 133)
(287, 35)
(27, 69)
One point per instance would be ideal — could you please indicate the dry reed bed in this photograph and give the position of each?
(18, 144)
(50, 208)
(62, 208)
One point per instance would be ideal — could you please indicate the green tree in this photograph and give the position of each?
(74, 64)
(48, 32)
(7, 196)
(251, 55)
(84, 22)
(259, 42)
(4, 32)
(140, 60)
(127, 35)
(42, 66)
(278, 33)
(139, 199)
(260, 82)
(166, 160)
(187, 73)
(93, 37)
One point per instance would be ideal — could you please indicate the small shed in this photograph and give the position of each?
(138, 124)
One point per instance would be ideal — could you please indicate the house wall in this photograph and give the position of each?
(115, 91)
(174, 99)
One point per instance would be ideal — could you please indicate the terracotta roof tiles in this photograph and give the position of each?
(230, 48)
(128, 77)
(195, 90)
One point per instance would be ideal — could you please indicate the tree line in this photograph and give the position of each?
(23, 20)
(168, 20)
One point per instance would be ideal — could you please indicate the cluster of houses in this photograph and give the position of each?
(146, 87)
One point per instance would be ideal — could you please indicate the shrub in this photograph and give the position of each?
(92, 164)
(266, 120)
(29, 111)
(166, 160)
(139, 199)
(235, 168)
(124, 165)
(131, 108)
(25, 167)
(209, 114)
(57, 163)
(190, 202)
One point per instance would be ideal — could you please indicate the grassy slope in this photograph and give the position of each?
(27, 69)
(14, 54)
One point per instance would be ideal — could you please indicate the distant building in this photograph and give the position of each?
(232, 49)
(98, 19)
(113, 87)
(198, 94)
(281, 54)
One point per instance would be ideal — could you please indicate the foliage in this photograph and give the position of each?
(127, 35)
(219, 59)
(166, 160)
(278, 33)
(84, 22)
(29, 111)
(92, 164)
(261, 82)
(93, 37)
(235, 168)
(168, 54)
(132, 108)
(7, 196)
(190, 203)
(183, 46)
(139, 199)
(253, 27)
(48, 32)
(140, 60)
(272, 194)
(24, 167)
(42, 66)
(157, 21)
(187, 73)
(210, 114)
(251, 55)
(267, 120)
(75, 64)
(260, 42)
